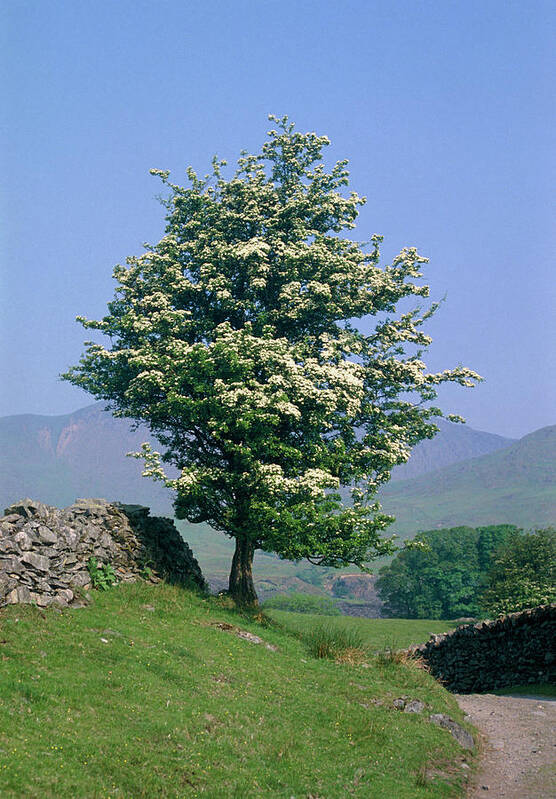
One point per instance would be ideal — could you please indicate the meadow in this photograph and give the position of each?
(375, 634)
(149, 691)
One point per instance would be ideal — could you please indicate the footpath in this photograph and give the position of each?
(519, 746)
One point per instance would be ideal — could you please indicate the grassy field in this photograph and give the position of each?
(376, 634)
(142, 694)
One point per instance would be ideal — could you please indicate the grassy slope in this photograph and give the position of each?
(169, 705)
(515, 485)
(377, 634)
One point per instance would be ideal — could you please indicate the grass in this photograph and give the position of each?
(374, 634)
(334, 643)
(540, 689)
(142, 694)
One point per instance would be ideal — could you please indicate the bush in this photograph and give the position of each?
(303, 603)
(102, 575)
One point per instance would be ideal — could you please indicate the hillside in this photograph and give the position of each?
(454, 443)
(516, 485)
(83, 454)
(149, 691)
(59, 458)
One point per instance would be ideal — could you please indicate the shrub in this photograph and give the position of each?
(303, 603)
(440, 576)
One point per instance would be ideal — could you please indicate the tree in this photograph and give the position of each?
(233, 338)
(442, 578)
(523, 574)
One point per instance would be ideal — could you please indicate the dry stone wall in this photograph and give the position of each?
(517, 649)
(44, 551)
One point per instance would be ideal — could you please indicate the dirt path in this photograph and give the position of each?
(519, 747)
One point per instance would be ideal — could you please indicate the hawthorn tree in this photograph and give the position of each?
(234, 339)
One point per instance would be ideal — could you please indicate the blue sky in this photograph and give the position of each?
(444, 109)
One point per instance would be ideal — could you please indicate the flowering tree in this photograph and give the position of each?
(233, 339)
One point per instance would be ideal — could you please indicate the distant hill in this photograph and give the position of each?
(454, 443)
(58, 458)
(83, 454)
(516, 484)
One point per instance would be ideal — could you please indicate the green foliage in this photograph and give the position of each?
(233, 338)
(303, 603)
(523, 574)
(340, 588)
(102, 575)
(440, 576)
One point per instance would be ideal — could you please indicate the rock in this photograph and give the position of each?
(45, 551)
(46, 535)
(22, 540)
(64, 596)
(399, 704)
(38, 562)
(463, 737)
(515, 649)
(247, 636)
(415, 706)
(27, 508)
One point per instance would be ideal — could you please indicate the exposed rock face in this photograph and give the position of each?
(517, 649)
(44, 551)
(361, 587)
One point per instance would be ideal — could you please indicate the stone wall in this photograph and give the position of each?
(517, 649)
(44, 551)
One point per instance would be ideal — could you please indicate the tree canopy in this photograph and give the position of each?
(235, 339)
(442, 579)
(523, 574)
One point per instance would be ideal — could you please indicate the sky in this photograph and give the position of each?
(444, 108)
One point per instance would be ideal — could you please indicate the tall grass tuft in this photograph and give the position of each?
(333, 643)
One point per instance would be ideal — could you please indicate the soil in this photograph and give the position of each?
(519, 745)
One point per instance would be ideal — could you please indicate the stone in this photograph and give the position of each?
(11, 597)
(23, 540)
(64, 596)
(81, 579)
(38, 562)
(10, 566)
(464, 738)
(46, 535)
(45, 551)
(415, 706)
(23, 594)
(27, 508)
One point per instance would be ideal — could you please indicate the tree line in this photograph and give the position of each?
(470, 572)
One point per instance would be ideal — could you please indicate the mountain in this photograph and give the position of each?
(516, 485)
(59, 458)
(454, 442)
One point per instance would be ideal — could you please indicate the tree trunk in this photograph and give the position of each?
(241, 585)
